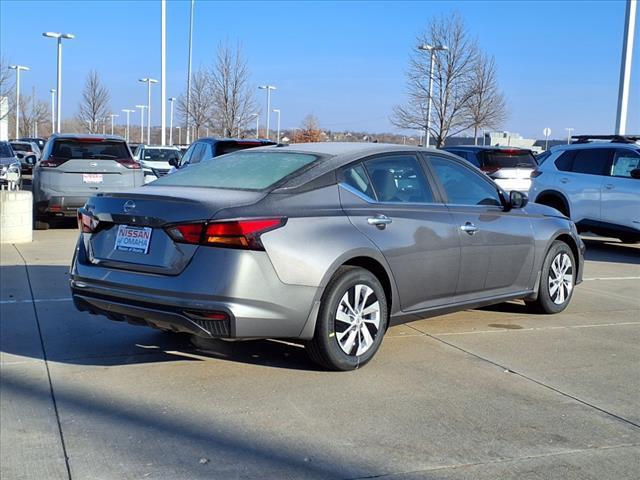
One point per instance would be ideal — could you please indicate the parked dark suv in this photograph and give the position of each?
(76, 167)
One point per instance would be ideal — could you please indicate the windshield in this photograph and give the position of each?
(244, 170)
(159, 154)
(508, 159)
(5, 150)
(20, 147)
(89, 150)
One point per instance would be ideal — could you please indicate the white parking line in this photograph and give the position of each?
(610, 278)
(534, 329)
(37, 300)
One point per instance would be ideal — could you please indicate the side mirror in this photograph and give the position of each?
(635, 173)
(31, 160)
(518, 199)
(174, 162)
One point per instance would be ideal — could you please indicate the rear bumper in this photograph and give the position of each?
(242, 285)
(60, 206)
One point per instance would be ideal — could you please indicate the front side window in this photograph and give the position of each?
(592, 161)
(243, 170)
(187, 155)
(399, 179)
(463, 186)
(624, 162)
(198, 153)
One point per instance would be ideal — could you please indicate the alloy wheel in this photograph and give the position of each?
(560, 278)
(357, 320)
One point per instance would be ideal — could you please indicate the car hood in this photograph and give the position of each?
(544, 210)
(8, 160)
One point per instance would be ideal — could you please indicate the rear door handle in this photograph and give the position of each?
(564, 180)
(609, 186)
(469, 228)
(379, 221)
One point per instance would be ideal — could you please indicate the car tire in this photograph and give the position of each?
(352, 320)
(557, 280)
(41, 224)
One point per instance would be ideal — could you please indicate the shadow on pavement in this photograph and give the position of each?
(611, 251)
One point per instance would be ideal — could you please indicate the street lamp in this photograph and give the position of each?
(127, 111)
(171, 99)
(141, 107)
(148, 81)
(569, 129)
(112, 115)
(257, 124)
(432, 50)
(59, 37)
(53, 111)
(268, 88)
(189, 69)
(17, 68)
(277, 110)
(179, 136)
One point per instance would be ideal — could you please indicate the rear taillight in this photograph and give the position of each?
(53, 162)
(129, 163)
(232, 234)
(535, 173)
(86, 223)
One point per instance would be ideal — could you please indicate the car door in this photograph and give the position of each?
(389, 199)
(620, 205)
(497, 247)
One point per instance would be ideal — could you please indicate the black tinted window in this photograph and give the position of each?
(21, 147)
(357, 178)
(592, 161)
(5, 150)
(463, 186)
(160, 154)
(494, 160)
(564, 162)
(89, 149)
(399, 178)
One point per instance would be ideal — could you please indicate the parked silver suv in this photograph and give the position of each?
(596, 184)
(76, 167)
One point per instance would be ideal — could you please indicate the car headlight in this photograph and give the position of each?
(15, 167)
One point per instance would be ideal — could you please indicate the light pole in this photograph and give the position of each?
(59, 37)
(127, 111)
(277, 110)
(257, 124)
(141, 107)
(163, 73)
(17, 68)
(171, 100)
(179, 136)
(625, 67)
(432, 50)
(53, 111)
(189, 69)
(569, 134)
(268, 88)
(112, 115)
(148, 81)
(295, 134)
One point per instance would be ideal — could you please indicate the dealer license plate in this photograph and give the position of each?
(92, 177)
(133, 239)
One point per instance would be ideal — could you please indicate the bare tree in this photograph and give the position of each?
(94, 106)
(452, 81)
(233, 99)
(487, 106)
(200, 99)
(309, 131)
(6, 84)
(33, 112)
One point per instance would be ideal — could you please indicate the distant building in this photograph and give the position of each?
(510, 139)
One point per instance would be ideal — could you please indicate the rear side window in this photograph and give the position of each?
(564, 162)
(497, 159)
(241, 170)
(70, 149)
(624, 162)
(356, 178)
(593, 161)
(399, 178)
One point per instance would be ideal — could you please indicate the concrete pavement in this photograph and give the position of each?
(489, 393)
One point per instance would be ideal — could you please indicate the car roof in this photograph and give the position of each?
(477, 148)
(158, 147)
(242, 140)
(586, 146)
(75, 136)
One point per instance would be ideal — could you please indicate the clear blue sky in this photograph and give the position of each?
(558, 62)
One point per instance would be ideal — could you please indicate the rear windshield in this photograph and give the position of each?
(90, 150)
(223, 147)
(5, 150)
(241, 170)
(160, 154)
(508, 159)
(20, 147)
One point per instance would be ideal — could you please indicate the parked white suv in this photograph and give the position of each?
(596, 184)
(155, 160)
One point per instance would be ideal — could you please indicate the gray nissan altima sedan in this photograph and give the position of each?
(326, 243)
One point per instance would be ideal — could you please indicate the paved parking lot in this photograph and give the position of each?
(489, 393)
